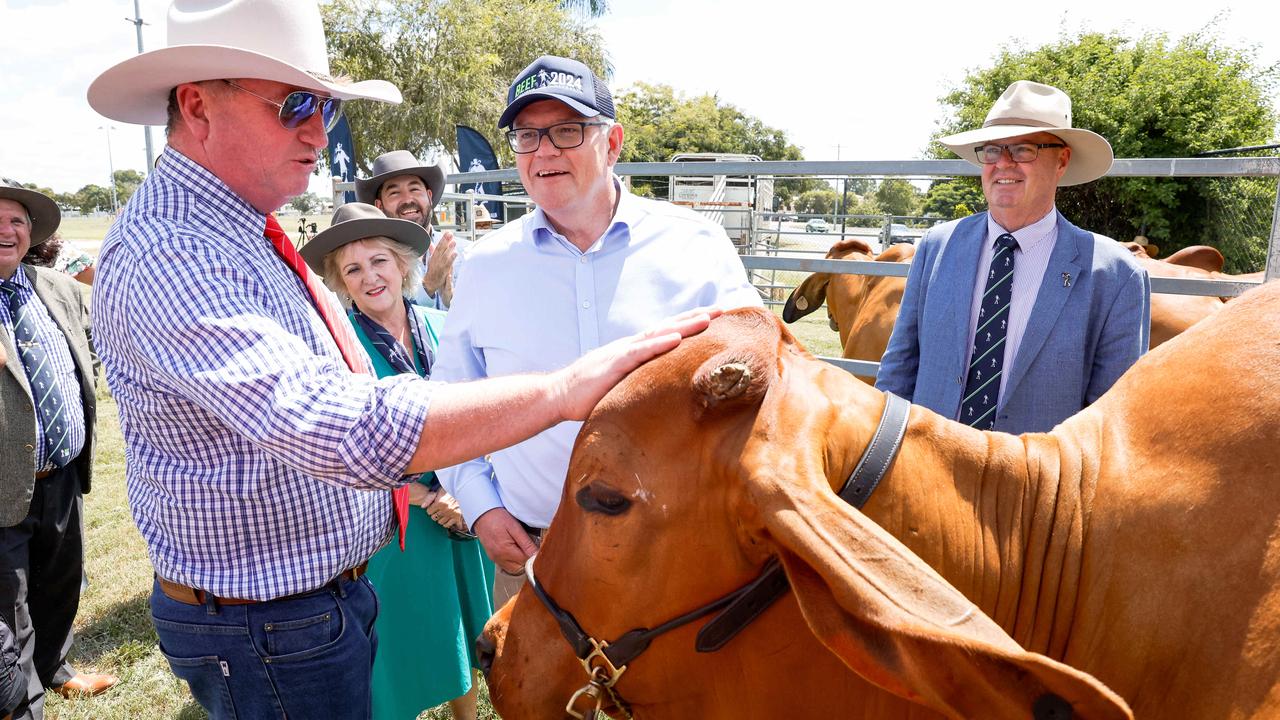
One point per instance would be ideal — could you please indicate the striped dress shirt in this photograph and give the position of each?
(1031, 257)
(249, 445)
(50, 336)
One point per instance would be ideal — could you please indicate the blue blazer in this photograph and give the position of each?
(1079, 339)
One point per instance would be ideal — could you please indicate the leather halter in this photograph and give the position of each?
(605, 662)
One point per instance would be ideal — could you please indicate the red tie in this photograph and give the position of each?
(342, 333)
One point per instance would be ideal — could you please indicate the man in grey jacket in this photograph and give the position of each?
(46, 422)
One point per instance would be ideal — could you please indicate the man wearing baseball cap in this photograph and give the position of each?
(402, 187)
(261, 451)
(1014, 319)
(592, 263)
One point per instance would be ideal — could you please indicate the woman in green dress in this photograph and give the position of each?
(435, 594)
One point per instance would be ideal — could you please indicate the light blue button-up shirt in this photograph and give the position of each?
(528, 300)
(1031, 257)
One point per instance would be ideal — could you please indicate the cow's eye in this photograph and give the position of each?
(602, 499)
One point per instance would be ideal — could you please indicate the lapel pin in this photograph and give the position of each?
(1066, 279)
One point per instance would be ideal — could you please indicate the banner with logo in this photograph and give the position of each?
(342, 156)
(476, 154)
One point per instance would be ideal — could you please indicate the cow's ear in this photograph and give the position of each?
(897, 623)
(807, 297)
(1203, 257)
(727, 381)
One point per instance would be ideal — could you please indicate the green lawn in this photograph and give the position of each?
(91, 230)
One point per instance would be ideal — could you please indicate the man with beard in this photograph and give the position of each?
(403, 188)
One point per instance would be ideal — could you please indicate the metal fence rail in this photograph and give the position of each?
(1213, 167)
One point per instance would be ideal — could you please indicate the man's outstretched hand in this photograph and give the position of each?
(582, 384)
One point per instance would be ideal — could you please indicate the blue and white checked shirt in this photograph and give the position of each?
(528, 300)
(50, 337)
(248, 442)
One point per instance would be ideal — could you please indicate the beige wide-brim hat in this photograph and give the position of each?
(280, 40)
(1030, 107)
(44, 212)
(394, 164)
(357, 221)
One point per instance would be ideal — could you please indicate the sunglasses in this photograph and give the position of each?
(300, 105)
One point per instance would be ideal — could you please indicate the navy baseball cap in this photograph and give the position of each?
(556, 78)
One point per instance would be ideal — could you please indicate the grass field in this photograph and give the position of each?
(89, 231)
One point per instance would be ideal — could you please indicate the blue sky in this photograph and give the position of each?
(864, 76)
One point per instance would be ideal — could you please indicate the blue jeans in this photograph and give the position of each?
(306, 657)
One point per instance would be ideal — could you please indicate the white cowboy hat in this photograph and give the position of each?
(280, 40)
(1029, 107)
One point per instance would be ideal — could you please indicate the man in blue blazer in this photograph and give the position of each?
(1015, 319)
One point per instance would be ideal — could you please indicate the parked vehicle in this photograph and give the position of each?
(816, 225)
(896, 233)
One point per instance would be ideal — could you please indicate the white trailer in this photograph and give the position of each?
(730, 200)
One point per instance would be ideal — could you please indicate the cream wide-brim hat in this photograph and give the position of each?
(280, 40)
(1028, 107)
(357, 221)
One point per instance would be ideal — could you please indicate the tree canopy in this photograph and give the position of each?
(452, 60)
(1150, 97)
(661, 122)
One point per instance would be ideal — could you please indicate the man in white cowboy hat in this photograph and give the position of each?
(1014, 319)
(46, 417)
(404, 188)
(254, 433)
(590, 264)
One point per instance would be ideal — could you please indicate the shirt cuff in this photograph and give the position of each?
(382, 444)
(472, 485)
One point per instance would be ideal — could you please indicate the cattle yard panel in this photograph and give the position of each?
(759, 255)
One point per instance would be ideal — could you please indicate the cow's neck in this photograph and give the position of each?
(1000, 516)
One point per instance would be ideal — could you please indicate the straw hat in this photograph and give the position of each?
(357, 221)
(1029, 107)
(280, 40)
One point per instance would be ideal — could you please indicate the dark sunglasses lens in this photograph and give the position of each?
(297, 108)
(331, 110)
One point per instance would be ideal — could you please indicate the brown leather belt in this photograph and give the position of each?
(193, 596)
(44, 474)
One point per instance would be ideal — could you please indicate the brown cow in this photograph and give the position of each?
(1148, 560)
(1172, 314)
(862, 308)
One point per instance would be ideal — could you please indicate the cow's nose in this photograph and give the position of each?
(485, 649)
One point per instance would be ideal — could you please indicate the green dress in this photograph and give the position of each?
(434, 599)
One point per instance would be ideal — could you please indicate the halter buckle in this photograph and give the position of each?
(604, 672)
(591, 691)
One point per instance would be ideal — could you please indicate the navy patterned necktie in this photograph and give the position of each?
(44, 386)
(986, 362)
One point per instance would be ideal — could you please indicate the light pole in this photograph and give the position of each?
(137, 23)
(111, 165)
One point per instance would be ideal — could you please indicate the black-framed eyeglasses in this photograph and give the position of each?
(1018, 152)
(565, 136)
(300, 105)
